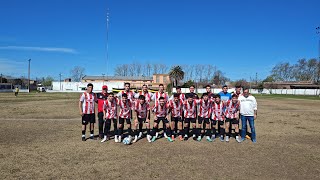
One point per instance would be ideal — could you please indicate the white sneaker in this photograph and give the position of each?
(116, 139)
(157, 134)
(165, 135)
(119, 139)
(193, 135)
(140, 135)
(238, 139)
(129, 137)
(135, 139)
(227, 138)
(104, 139)
(149, 138)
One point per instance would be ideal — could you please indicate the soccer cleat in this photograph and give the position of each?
(140, 135)
(135, 139)
(165, 135)
(181, 138)
(83, 138)
(248, 137)
(116, 139)
(148, 138)
(238, 139)
(104, 139)
(213, 137)
(172, 137)
(209, 139)
(199, 138)
(193, 135)
(153, 138)
(221, 138)
(227, 138)
(92, 137)
(157, 134)
(169, 139)
(185, 138)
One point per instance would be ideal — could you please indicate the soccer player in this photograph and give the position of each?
(148, 95)
(125, 106)
(127, 91)
(181, 95)
(190, 114)
(16, 92)
(191, 89)
(208, 91)
(87, 111)
(249, 112)
(238, 91)
(155, 98)
(142, 109)
(204, 116)
(225, 96)
(176, 107)
(218, 116)
(160, 111)
(101, 97)
(109, 115)
(232, 117)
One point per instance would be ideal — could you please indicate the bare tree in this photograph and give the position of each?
(163, 68)
(77, 73)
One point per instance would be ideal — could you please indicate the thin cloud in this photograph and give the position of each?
(12, 67)
(43, 49)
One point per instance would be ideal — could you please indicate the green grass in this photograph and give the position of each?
(283, 96)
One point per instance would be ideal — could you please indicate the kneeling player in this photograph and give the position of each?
(160, 111)
(175, 106)
(125, 105)
(142, 109)
(232, 116)
(218, 116)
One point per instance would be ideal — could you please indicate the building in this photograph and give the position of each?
(291, 85)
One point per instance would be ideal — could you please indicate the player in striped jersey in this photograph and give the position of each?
(160, 111)
(190, 115)
(148, 95)
(204, 116)
(208, 91)
(127, 91)
(109, 115)
(142, 110)
(232, 116)
(155, 98)
(218, 116)
(125, 106)
(87, 111)
(176, 109)
(181, 96)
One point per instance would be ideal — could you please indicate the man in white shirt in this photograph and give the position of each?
(248, 111)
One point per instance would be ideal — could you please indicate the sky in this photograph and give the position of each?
(241, 38)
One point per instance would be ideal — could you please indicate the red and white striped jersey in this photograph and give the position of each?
(157, 95)
(204, 108)
(88, 101)
(141, 109)
(130, 94)
(125, 108)
(218, 111)
(190, 110)
(182, 97)
(160, 111)
(176, 108)
(148, 95)
(231, 109)
(111, 108)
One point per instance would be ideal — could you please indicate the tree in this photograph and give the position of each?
(242, 83)
(47, 81)
(219, 78)
(176, 73)
(77, 73)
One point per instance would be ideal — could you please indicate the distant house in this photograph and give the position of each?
(291, 85)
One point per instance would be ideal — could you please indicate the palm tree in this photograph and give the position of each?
(176, 73)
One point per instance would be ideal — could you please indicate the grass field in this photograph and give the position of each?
(40, 138)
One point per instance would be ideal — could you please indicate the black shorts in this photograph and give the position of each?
(142, 120)
(121, 120)
(201, 119)
(163, 119)
(221, 123)
(188, 120)
(213, 122)
(235, 121)
(88, 118)
(176, 119)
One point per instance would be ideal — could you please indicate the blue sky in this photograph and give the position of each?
(239, 37)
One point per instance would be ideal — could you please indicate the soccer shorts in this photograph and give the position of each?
(121, 120)
(188, 120)
(176, 119)
(88, 118)
(205, 120)
(163, 119)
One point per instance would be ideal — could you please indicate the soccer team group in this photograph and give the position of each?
(211, 116)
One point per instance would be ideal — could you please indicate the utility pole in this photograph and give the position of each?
(103, 78)
(1, 77)
(256, 78)
(29, 75)
(60, 80)
(318, 33)
(107, 42)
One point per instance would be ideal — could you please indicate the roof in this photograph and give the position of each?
(307, 85)
(290, 83)
(122, 78)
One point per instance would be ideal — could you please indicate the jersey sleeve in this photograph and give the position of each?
(82, 97)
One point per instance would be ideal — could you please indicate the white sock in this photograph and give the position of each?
(91, 135)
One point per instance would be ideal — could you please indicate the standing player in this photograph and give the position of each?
(225, 96)
(87, 111)
(148, 95)
(218, 116)
(208, 91)
(16, 92)
(204, 116)
(248, 111)
(142, 109)
(101, 97)
(125, 106)
(238, 91)
(190, 114)
(176, 107)
(160, 111)
(232, 117)
(109, 114)
(127, 91)
(181, 96)
(191, 89)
